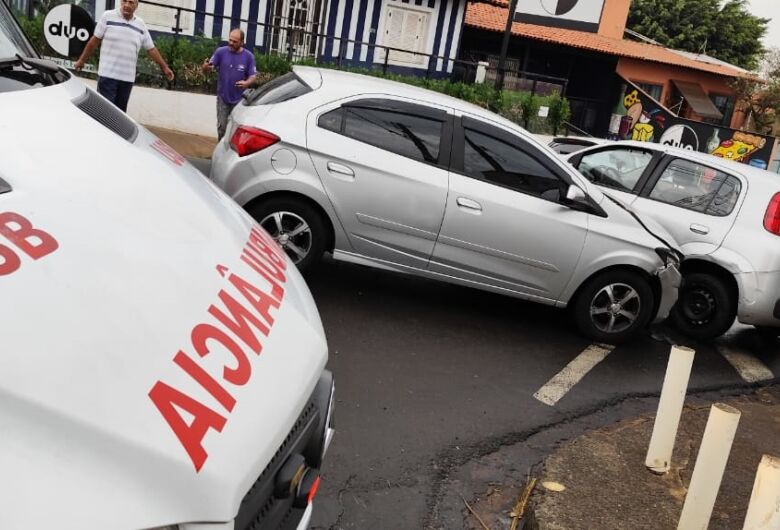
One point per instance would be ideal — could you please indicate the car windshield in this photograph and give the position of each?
(12, 40)
(615, 168)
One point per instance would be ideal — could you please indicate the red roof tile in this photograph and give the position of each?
(492, 16)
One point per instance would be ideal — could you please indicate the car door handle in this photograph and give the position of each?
(340, 169)
(700, 229)
(469, 204)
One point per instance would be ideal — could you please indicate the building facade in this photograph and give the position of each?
(409, 36)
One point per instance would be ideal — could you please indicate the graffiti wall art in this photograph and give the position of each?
(641, 118)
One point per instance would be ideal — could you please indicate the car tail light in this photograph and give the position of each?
(248, 140)
(772, 216)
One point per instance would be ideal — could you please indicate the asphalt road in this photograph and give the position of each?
(432, 377)
(435, 387)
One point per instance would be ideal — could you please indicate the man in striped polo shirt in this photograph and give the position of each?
(121, 35)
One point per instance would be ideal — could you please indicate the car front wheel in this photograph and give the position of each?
(296, 226)
(705, 308)
(613, 306)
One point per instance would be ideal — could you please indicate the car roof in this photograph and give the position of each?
(350, 83)
(730, 166)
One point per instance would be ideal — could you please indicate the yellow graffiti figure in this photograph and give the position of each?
(630, 99)
(643, 132)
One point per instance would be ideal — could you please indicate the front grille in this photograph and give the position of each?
(107, 114)
(260, 509)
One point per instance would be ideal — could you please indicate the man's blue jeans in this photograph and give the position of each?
(117, 92)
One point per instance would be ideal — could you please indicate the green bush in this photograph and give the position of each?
(560, 112)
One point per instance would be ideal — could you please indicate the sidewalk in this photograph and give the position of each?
(608, 487)
(189, 145)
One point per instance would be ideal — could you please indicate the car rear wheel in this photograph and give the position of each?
(613, 306)
(296, 226)
(705, 309)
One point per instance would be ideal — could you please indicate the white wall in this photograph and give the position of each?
(180, 111)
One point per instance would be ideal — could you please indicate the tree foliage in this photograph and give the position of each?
(762, 96)
(726, 31)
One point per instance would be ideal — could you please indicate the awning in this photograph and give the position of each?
(698, 100)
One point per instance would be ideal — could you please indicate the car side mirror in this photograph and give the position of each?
(576, 199)
(575, 195)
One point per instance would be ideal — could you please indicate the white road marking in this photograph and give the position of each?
(748, 367)
(563, 381)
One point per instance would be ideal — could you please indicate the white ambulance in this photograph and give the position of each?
(162, 363)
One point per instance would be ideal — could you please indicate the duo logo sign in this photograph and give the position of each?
(67, 29)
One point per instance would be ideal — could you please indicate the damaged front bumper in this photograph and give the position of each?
(669, 278)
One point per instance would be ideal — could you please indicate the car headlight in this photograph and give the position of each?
(669, 256)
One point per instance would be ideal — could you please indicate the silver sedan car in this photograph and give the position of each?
(724, 215)
(404, 179)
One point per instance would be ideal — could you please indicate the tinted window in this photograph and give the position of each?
(404, 134)
(488, 158)
(283, 88)
(696, 187)
(331, 120)
(615, 168)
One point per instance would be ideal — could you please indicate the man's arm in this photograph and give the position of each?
(156, 57)
(87, 53)
(246, 83)
(252, 71)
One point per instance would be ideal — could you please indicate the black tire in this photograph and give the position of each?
(628, 308)
(706, 308)
(304, 248)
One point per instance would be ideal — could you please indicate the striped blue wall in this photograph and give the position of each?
(360, 20)
(356, 20)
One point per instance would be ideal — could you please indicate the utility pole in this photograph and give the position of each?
(505, 44)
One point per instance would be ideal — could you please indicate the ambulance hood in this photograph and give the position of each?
(137, 388)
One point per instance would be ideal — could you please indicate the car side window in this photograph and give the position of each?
(332, 120)
(414, 137)
(498, 161)
(620, 169)
(696, 187)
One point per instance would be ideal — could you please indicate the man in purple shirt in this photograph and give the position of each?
(236, 67)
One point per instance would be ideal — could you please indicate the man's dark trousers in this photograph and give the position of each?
(116, 91)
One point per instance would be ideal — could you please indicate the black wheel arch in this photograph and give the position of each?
(707, 267)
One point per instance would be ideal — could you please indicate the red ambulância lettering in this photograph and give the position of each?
(243, 317)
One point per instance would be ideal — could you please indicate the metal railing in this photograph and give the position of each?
(298, 44)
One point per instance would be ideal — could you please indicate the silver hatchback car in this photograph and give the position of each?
(400, 178)
(725, 216)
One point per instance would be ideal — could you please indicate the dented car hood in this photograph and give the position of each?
(156, 346)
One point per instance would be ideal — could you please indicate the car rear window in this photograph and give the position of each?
(283, 88)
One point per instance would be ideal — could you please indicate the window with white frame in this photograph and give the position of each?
(164, 18)
(407, 29)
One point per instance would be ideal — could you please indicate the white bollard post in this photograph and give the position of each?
(709, 468)
(764, 508)
(667, 419)
(481, 72)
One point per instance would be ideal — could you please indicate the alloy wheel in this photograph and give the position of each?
(615, 308)
(291, 232)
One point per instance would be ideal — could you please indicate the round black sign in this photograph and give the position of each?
(558, 7)
(67, 29)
